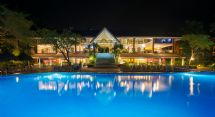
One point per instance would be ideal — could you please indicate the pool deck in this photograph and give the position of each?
(113, 70)
(98, 70)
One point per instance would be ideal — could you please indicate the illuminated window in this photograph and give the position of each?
(163, 45)
(45, 48)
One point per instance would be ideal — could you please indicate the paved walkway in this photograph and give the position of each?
(100, 69)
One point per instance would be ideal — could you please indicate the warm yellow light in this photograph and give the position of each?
(16, 52)
(91, 58)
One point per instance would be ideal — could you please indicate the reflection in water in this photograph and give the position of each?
(92, 94)
(198, 88)
(191, 84)
(104, 85)
(17, 79)
(51, 85)
(170, 79)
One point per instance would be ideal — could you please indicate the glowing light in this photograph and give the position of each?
(97, 85)
(143, 45)
(170, 80)
(156, 86)
(91, 79)
(150, 94)
(114, 94)
(142, 87)
(110, 84)
(198, 88)
(17, 79)
(127, 88)
(47, 86)
(191, 86)
(66, 87)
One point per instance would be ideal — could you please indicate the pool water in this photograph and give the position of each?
(108, 95)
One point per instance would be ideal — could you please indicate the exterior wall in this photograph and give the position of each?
(156, 45)
(41, 62)
(177, 48)
(49, 49)
(139, 44)
(150, 44)
(45, 49)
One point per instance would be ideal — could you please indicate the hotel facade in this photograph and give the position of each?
(136, 49)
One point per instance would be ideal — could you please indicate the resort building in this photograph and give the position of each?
(136, 49)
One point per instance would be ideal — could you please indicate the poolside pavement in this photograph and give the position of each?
(100, 69)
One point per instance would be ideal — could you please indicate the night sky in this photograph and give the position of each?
(122, 17)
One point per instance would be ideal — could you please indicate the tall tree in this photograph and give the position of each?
(15, 27)
(95, 46)
(197, 44)
(63, 42)
(117, 50)
(195, 41)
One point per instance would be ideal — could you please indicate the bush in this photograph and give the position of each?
(212, 66)
(90, 65)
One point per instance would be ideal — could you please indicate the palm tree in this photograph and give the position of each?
(133, 49)
(95, 46)
(117, 49)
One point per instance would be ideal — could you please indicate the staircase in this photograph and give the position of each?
(105, 60)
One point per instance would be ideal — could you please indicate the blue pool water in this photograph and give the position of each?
(108, 95)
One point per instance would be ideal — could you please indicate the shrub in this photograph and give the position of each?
(212, 66)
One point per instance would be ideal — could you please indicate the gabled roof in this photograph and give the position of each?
(106, 32)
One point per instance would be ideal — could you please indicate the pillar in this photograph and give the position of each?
(50, 62)
(164, 61)
(160, 61)
(153, 44)
(61, 63)
(39, 62)
(173, 45)
(75, 60)
(134, 46)
(182, 62)
(172, 61)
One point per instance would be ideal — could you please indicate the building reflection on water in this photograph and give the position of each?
(105, 85)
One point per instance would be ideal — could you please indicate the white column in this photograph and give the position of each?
(39, 62)
(75, 60)
(182, 62)
(61, 63)
(50, 62)
(160, 61)
(172, 61)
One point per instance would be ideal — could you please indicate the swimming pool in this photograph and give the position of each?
(108, 95)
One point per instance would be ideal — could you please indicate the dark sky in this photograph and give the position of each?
(122, 17)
